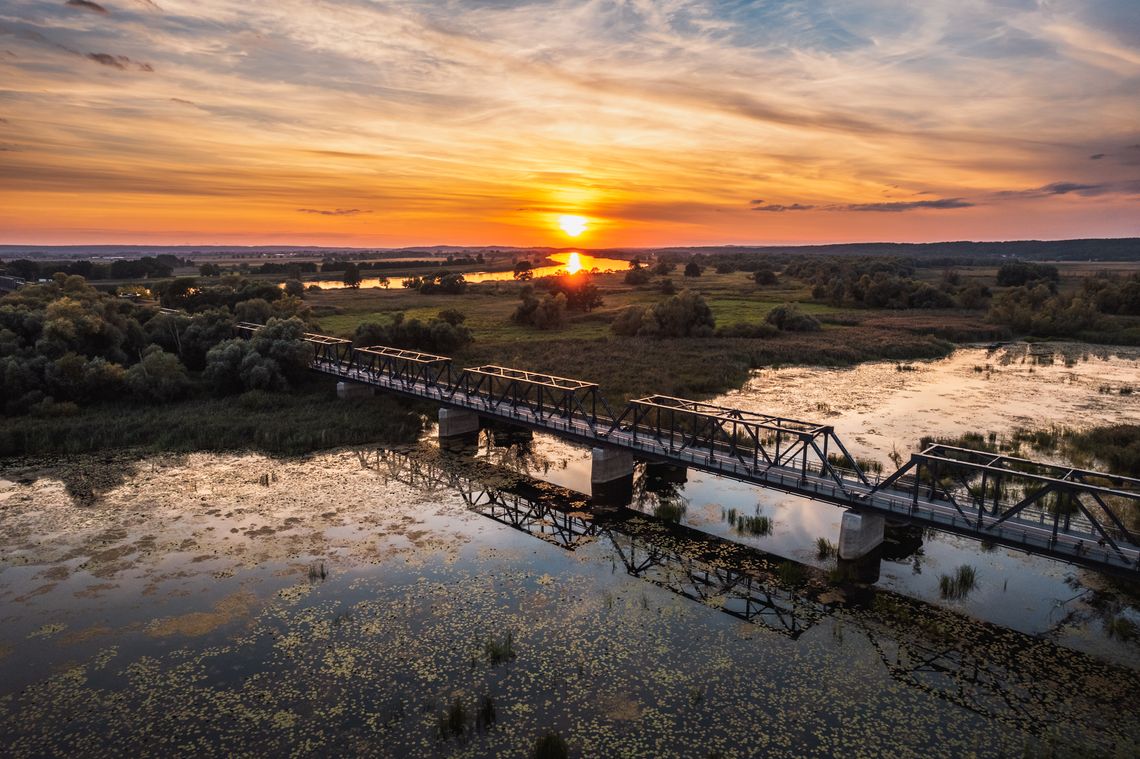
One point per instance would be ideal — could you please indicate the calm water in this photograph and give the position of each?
(347, 601)
(570, 262)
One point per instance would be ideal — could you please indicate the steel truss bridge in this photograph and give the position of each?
(1002, 674)
(1083, 517)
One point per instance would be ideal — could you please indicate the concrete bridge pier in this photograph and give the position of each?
(611, 477)
(347, 391)
(458, 429)
(860, 533)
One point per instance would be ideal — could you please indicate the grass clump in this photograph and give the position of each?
(453, 722)
(670, 510)
(550, 746)
(485, 715)
(790, 574)
(754, 525)
(959, 584)
(824, 548)
(500, 650)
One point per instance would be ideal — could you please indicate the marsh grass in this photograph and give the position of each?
(958, 585)
(754, 525)
(550, 746)
(790, 574)
(308, 420)
(670, 510)
(824, 548)
(317, 572)
(485, 715)
(500, 650)
(453, 722)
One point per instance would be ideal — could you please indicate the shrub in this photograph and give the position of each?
(549, 312)
(787, 317)
(435, 336)
(159, 376)
(764, 277)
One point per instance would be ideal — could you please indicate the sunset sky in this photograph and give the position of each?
(674, 122)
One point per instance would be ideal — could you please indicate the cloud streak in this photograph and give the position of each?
(334, 212)
(87, 5)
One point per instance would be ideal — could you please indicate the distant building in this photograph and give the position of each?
(10, 284)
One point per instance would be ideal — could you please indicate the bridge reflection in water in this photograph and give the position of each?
(1001, 674)
(1079, 516)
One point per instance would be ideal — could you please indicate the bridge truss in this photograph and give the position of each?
(1083, 517)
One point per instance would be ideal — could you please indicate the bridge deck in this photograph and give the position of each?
(1034, 529)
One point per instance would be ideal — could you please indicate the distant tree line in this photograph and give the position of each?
(147, 267)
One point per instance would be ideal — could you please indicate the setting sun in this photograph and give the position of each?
(573, 225)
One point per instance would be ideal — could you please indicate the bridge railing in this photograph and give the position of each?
(988, 490)
(758, 441)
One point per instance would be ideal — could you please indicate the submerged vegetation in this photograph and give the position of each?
(958, 585)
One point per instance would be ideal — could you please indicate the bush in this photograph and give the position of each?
(693, 269)
(435, 336)
(788, 318)
(683, 315)
(638, 277)
(547, 313)
(764, 277)
(159, 376)
(1016, 273)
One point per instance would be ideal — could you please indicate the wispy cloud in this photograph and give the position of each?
(760, 205)
(1075, 188)
(87, 5)
(121, 62)
(334, 212)
(908, 205)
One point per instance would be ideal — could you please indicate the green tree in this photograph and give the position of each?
(159, 376)
(352, 276)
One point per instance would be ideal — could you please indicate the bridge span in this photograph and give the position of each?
(1079, 516)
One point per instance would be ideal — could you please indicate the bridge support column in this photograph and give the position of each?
(457, 423)
(859, 534)
(346, 391)
(611, 477)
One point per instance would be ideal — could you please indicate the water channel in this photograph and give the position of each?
(408, 602)
(570, 262)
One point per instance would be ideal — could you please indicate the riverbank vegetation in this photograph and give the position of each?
(82, 370)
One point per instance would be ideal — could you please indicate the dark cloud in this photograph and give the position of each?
(910, 205)
(86, 5)
(1096, 156)
(1059, 188)
(760, 205)
(334, 212)
(120, 62)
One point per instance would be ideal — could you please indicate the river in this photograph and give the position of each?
(404, 602)
(570, 262)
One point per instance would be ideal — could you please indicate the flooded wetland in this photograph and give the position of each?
(412, 602)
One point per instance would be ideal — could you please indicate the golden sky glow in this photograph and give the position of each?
(660, 122)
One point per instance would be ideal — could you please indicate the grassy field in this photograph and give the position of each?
(628, 367)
